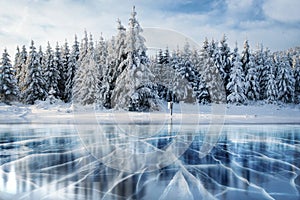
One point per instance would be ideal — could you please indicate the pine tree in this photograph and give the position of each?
(101, 58)
(164, 76)
(186, 74)
(272, 90)
(203, 55)
(251, 80)
(40, 56)
(115, 65)
(201, 89)
(17, 64)
(86, 83)
(259, 62)
(34, 88)
(9, 90)
(222, 60)
(266, 70)
(285, 80)
(51, 72)
(107, 80)
(235, 85)
(22, 73)
(84, 46)
(71, 70)
(65, 59)
(213, 81)
(101, 52)
(134, 89)
(246, 57)
(57, 62)
(296, 67)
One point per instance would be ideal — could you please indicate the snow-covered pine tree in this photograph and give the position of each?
(285, 80)
(203, 55)
(116, 56)
(71, 70)
(9, 90)
(264, 76)
(17, 64)
(163, 73)
(86, 83)
(251, 79)
(57, 62)
(222, 60)
(212, 49)
(84, 46)
(235, 85)
(101, 53)
(41, 56)
(107, 81)
(34, 88)
(186, 74)
(213, 81)
(245, 57)
(51, 72)
(177, 84)
(201, 89)
(134, 89)
(259, 62)
(21, 75)
(296, 68)
(156, 68)
(120, 51)
(272, 90)
(101, 57)
(65, 59)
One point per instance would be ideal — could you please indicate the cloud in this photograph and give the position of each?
(286, 11)
(57, 20)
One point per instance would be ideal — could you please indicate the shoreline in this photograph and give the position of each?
(44, 113)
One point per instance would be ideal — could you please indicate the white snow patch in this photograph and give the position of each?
(44, 112)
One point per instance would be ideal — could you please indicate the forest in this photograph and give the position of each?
(117, 73)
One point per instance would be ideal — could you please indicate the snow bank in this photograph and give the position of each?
(44, 112)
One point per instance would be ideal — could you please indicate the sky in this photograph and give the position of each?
(275, 23)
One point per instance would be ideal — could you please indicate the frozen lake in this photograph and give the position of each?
(142, 161)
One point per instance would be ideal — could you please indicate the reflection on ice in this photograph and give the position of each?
(53, 162)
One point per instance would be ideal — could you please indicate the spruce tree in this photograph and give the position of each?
(71, 70)
(245, 57)
(86, 83)
(107, 80)
(213, 81)
(296, 68)
(235, 85)
(115, 65)
(199, 59)
(272, 90)
(251, 80)
(259, 62)
(51, 72)
(18, 63)
(222, 60)
(57, 62)
(9, 90)
(21, 75)
(134, 89)
(101, 58)
(34, 88)
(65, 59)
(285, 80)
